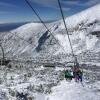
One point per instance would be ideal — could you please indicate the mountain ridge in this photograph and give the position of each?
(81, 28)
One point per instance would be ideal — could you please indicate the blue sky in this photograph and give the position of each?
(19, 11)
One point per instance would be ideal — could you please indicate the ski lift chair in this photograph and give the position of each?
(68, 75)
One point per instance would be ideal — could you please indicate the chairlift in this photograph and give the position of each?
(3, 61)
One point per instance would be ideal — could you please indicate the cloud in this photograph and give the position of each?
(6, 12)
(47, 3)
(89, 3)
(4, 4)
(80, 2)
(50, 3)
(92, 2)
(66, 9)
(3, 12)
(71, 2)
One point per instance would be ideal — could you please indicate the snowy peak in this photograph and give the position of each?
(84, 31)
(34, 40)
(85, 16)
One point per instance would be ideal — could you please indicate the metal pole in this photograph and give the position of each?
(3, 59)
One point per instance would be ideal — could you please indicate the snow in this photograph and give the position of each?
(40, 97)
(80, 34)
(87, 15)
(85, 41)
(72, 91)
(41, 76)
(90, 42)
(82, 41)
(63, 39)
(29, 29)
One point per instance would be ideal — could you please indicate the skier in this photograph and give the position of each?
(77, 73)
(80, 75)
(74, 73)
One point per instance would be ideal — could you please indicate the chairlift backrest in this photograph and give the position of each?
(49, 65)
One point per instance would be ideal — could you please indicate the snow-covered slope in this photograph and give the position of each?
(32, 39)
(81, 26)
(87, 16)
(73, 91)
(41, 83)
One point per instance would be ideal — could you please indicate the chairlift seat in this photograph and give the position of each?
(49, 65)
(68, 74)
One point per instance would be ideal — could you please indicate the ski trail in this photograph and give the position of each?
(72, 91)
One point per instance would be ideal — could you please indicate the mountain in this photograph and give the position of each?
(4, 27)
(83, 27)
(33, 40)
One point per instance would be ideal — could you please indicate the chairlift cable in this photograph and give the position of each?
(23, 39)
(20, 38)
(66, 28)
(44, 23)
